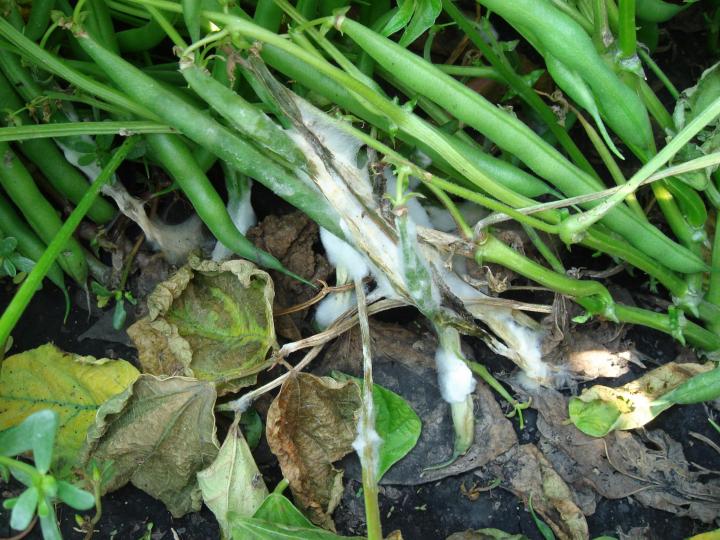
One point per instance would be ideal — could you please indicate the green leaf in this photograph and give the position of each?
(80, 384)
(8, 267)
(212, 321)
(258, 529)
(74, 496)
(601, 409)
(119, 315)
(400, 19)
(426, 12)
(36, 433)
(396, 422)
(24, 509)
(7, 246)
(48, 523)
(87, 159)
(252, 427)
(278, 509)
(233, 482)
(543, 527)
(159, 434)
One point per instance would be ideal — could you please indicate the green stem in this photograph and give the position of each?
(572, 228)
(43, 131)
(659, 73)
(24, 294)
(366, 426)
(483, 372)
(544, 250)
(627, 38)
(493, 250)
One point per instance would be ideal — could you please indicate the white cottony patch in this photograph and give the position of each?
(528, 344)
(422, 287)
(332, 307)
(443, 221)
(368, 439)
(342, 254)
(243, 216)
(454, 376)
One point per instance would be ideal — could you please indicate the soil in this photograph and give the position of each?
(426, 511)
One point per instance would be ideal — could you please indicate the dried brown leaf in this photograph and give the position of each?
(621, 465)
(311, 424)
(159, 434)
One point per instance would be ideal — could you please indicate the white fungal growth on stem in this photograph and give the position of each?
(241, 212)
(455, 379)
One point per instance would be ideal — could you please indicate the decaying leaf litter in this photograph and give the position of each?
(191, 326)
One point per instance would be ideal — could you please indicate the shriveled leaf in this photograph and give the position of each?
(601, 409)
(486, 534)
(212, 321)
(311, 424)
(233, 482)
(159, 434)
(396, 422)
(73, 386)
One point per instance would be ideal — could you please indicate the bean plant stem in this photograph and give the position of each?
(22, 297)
(627, 38)
(68, 129)
(366, 426)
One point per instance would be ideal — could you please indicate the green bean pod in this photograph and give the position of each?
(99, 23)
(39, 18)
(207, 132)
(28, 244)
(701, 387)
(142, 38)
(657, 10)
(176, 159)
(501, 171)
(19, 185)
(243, 116)
(690, 202)
(580, 92)
(515, 137)
(44, 154)
(554, 30)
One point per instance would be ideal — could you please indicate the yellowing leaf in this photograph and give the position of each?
(74, 386)
(159, 434)
(601, 409)
(311, 424)
(212, 321)
(233, 482)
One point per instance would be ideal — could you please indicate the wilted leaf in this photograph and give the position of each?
(600, 409)
(311, 424)
(654, 470)
(212, 321)
(396, 423)
(527, 473)
(74, 386)
(159, 434)
(233, 482)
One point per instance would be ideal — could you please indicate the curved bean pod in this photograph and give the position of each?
(515, 137)
(177, 159)
(39, 18)
(209, 133)
(19, 185)
(28, 244)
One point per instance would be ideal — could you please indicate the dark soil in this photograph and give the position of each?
(429, 511)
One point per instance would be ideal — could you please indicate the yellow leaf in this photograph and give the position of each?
(74, 386)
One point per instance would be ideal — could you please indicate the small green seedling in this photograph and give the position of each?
(104, 295)
(12, 264)
(37, 434)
